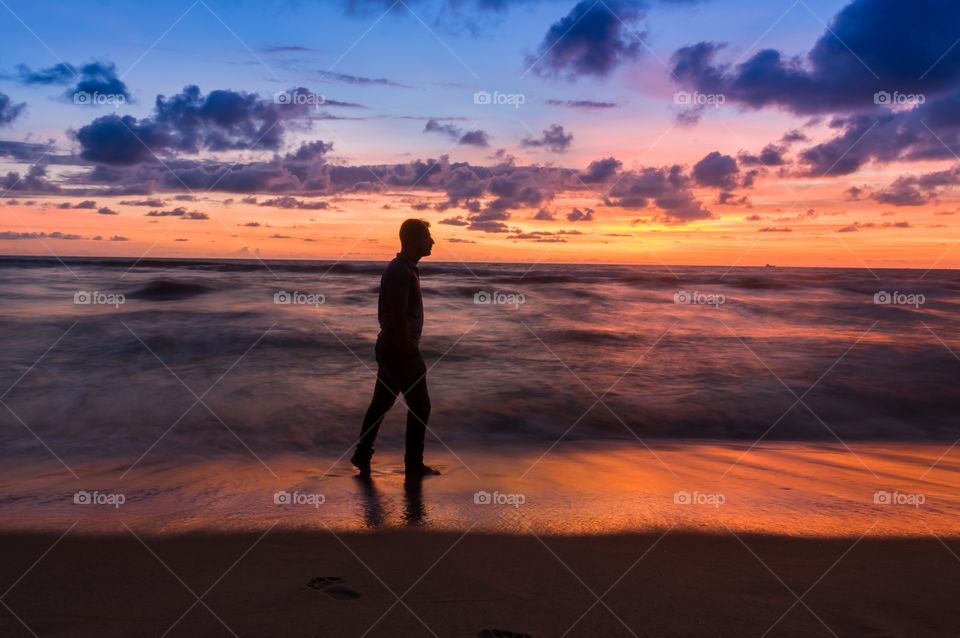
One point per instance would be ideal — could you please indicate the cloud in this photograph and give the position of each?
(356, 80)
(592, 40)
(10, 111)
(33, 181)
(106, 211)
(293, 202)
(771, 155)
(553, 138)
(601, 170)
(667, 188)
(455, 133)
(10, 235)
(716, 170)
(917, 190)
(583, 104)
(153, 203)
(93, 77)
(870, 46)
(775, 229)
(178, 212)
(577, 215)
(189, 122)
(888, 71)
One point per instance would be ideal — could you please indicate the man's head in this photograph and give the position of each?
(415, 239)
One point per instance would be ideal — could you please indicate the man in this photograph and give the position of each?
(401, 369)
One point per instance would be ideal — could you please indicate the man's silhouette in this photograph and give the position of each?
(401, 369)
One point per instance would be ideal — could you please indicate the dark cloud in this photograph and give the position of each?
(917, 190)
(870, 46)
(27, 151)
(793, 136)
(112, 139)
(456, 134)
(553, 138)
(856, 226)
(94, 77)
(33, 181)
(771, 155)
(716, 170)
(775, 229)
(287, 49)
(292, 202)
(577, 215)
(875, 54)
(593, 39)
(601, 170)
(10, 111)
(10, 235)
(358, 80)
(106, 211)
(667, 188)
(726, 198)
(190, 122)
(583, 104)
(178, 212)
(153, 203)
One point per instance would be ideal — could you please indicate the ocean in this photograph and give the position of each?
(112, 357)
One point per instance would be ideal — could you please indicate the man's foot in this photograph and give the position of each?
(422, 470)
(362, 463)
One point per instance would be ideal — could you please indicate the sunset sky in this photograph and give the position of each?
(807, 133)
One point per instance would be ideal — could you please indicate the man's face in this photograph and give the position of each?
(427, 246)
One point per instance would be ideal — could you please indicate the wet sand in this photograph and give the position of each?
(460, 584)
(779, 488)
(686, 539)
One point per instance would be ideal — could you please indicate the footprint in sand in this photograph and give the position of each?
(330, 585)
(500, 633)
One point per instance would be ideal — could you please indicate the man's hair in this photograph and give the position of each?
(413, 229)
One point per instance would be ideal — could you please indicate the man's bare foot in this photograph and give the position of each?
(362, 463)
(423, 470)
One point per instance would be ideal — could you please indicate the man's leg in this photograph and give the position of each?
(418, 412)
(383, 399)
